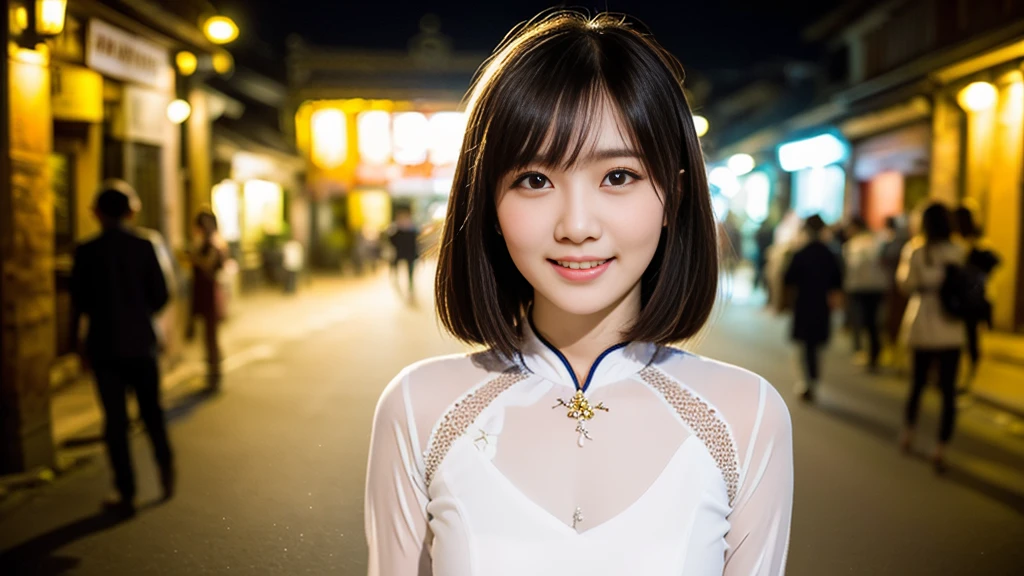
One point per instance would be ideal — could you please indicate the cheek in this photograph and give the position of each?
(524, 227)
(638, 222)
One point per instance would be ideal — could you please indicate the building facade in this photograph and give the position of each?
(91, 101)
(378, 130)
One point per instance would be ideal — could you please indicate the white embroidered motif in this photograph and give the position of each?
(461, 416)
(705, 422)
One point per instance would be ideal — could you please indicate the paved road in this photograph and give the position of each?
(272, 470)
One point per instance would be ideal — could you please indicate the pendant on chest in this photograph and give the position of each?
(580, 410)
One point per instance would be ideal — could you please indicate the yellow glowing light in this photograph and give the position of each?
(446, 132)
(701, 124)
(19, 20)
(329, 136)
(220, 29)
(411, 136)
(223, 62)
(178, 111)
(978, 97)
(374, 132)
(186, 62)
(50, 16)
(741, 164)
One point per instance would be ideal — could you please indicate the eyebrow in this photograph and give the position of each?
(599, 155)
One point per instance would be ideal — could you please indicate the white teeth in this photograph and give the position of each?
(581, 265)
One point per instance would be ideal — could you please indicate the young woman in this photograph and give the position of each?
(934, 337)
(207, 258)
(579, 243)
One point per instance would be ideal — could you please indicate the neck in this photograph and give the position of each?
(581, 338)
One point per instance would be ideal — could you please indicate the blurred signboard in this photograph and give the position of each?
(124, 56)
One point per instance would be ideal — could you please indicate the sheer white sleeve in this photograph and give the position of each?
(759, 536)
(395, 517)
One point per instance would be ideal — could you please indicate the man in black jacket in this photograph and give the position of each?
(119, 285)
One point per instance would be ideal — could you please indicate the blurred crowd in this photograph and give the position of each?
(912, 298)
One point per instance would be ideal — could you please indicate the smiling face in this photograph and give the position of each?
(583, 235)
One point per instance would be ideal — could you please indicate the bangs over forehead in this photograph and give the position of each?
(543, 98)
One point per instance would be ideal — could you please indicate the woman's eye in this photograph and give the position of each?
(533, 182)
(619, 178)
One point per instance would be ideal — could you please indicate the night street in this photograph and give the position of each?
(272, 470)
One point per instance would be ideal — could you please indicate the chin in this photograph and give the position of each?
(584, 301)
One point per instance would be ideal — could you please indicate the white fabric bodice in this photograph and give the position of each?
(472, 471)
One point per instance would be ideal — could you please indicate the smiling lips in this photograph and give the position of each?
(581, 270)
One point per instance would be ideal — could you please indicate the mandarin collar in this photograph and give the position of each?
(540, 357)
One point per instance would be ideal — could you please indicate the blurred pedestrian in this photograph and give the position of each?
(118, 284)
(292, 260)
(933, 335)
(865, 283)
(896, 237)
(981, 260)
(763, 238)
(404, 237)
(209, 302)
(815, 276)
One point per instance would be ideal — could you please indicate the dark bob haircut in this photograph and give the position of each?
(538, 97)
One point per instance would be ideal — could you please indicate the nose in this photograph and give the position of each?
(579, 220)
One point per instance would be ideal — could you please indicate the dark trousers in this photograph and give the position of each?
(971, 326)
(211, 342)
(811, 351)
(866, 308)
(114, 377)
(947, 361)
(410, 264)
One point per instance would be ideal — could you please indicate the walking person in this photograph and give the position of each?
(934, 336)
(578, 246)
(865, 283)
(816, 278)
(981, 260)
(763, 238)
(895, 299)
(118, 285)
(404, 236)
(208, 257)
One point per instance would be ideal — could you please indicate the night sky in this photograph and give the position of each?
(708, 35)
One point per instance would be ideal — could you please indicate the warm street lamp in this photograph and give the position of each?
(977, 97)
(44, 20)
(178, 111)
(50, 15)
(701, 124)
(220, 29)
(223, 63)
(186, 62)
(741, 164)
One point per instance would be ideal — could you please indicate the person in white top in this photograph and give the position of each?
(865, 282)
(934, 336)
(578, 244)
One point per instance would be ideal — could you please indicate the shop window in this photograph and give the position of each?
(63, 184)
(148, 184)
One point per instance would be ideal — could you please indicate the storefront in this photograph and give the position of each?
(366, 158)
(109, 95)
(978, 149)
(818, 175)
(890, 172)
